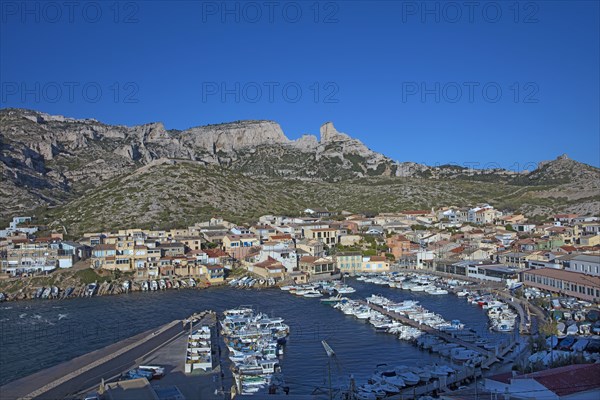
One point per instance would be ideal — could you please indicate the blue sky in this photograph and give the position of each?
(432, 82)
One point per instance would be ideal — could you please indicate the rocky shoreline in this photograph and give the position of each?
(105, 288)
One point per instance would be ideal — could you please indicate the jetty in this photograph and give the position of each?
(427, 329)
(464, 374)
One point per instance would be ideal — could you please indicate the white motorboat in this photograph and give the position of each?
(312, 293)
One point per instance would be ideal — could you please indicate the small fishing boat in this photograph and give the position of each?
(145, 286)
(91, 289)
(153, 285)
(46, 293)
(333, 299)
(572, 329)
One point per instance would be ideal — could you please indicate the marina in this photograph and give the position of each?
(310, 321)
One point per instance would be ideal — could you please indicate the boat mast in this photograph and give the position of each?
(330, 354)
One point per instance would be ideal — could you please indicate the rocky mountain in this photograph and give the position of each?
(55, 161)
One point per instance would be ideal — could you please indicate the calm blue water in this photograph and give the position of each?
(39, 334)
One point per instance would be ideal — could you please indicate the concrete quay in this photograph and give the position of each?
(70, 377)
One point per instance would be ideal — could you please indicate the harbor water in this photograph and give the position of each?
(38, 334)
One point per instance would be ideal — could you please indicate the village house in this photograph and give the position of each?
(269, 268)
(214, 273)
(318, 268)
(483, 215)
(398, 245)
(591, 240)
(350, 240)
(349, 262)
(565, 218)
(19, 225)
(172, 249)
(263, 231)
(512, 220)
(514, 259)
(283, 252)
(40, 255)
(237, 246)
(319, 212)
(191, 242)
(310, 247)
(376, 264)
(329, 236)
(216, 256)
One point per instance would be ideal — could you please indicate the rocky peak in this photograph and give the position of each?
(330, 134)
(235, 136)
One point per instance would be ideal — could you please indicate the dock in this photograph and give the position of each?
(464, 374)
(427, 329)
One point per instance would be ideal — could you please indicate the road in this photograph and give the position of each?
(40, 385)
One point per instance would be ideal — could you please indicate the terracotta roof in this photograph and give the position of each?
(104, 247)
(266, 263)
(457, 250)
(567, 380)
(377, 258)
(308, 259)
(214, 253)
(568, 248)
(566, 216)
(280, 237)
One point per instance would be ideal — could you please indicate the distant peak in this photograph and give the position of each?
(330, 134)
(563, 156)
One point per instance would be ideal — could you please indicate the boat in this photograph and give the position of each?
(333, 299)
(39, 292)
(145, 286)
(153, 285)
(91, 289)
(312, 293)
(157, 371)
(68, 292)
(126, 286)
(192, 282)
(572, 329)
(162, 284)
(54, 292)
(137, 373)
(254, 341)
(567, 343)
(46, 293)
(345, 290)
